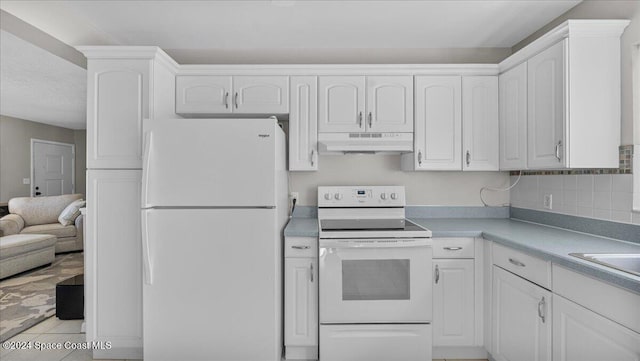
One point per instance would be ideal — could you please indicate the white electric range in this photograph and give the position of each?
(375, 276)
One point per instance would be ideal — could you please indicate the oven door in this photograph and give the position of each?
(375, 281)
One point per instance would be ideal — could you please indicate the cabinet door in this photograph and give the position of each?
(521, 319)
(547, 108)
(480, 122)
(438, 123)
(301, 302)
(113, 279)
(261, 94)
(513, 118)
(203, 94)
(117, 101)
(341, 101)
(303, 123)
(453, 302)
(582, 335)
(389, 104)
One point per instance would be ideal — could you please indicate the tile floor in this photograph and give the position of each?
(55, 330)
(52, 330)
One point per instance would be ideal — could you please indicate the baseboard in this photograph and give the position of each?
(459, 352)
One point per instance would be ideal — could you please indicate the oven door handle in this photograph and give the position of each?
(359, 244)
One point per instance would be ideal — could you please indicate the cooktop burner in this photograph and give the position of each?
(397, 224)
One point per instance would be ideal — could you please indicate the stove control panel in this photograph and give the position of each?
(361, 196)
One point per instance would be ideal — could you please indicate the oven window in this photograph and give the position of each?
(376, 279)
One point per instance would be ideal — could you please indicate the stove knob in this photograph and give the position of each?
(383, 196)
(327, 196)
(338, 196)
(394, 196)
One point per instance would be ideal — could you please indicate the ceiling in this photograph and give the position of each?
(42, 87)
(39, 86)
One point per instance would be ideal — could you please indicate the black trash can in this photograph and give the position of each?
(70, 298)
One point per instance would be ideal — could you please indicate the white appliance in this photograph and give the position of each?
(370, 142)
(214, 204)
(375, 277)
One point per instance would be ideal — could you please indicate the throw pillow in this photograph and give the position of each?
(71, 212)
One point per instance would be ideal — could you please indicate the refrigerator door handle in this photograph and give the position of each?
(148, 139)
(146, 253)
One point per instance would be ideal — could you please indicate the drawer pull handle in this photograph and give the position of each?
(516, 262)
(437, 274)
(541, 306)
(311, 268)
(453, 248)
(300, 247)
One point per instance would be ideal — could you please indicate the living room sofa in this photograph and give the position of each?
(39, 215)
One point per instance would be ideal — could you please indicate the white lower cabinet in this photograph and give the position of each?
(453, 302)
(113, 268)
(521, 319)
(582, 335)
(301, 299)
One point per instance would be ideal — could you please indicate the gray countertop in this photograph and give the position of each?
(549, 243)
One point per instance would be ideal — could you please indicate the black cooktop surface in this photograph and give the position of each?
(369, 225)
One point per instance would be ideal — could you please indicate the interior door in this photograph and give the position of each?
(53, 168)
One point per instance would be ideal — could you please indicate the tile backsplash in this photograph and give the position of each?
(601, 196)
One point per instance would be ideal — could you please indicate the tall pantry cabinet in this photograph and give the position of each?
(125, 87)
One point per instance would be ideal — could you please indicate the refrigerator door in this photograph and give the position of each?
(213, 285)
(210, 162)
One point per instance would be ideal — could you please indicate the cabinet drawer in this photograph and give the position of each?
(453, 248)
(531, 268)
(300, 247)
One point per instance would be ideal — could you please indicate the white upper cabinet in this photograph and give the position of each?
(546, 108)
(342, 104)
(303, 124)
(480, 123)
(438, 124)
(117, 101)
(513, 118)
(203, 94)
(366, 104)
(261, 94)
(389, 104)
(212, 94)
(572, 101)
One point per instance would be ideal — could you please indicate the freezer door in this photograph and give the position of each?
(210, 162)
(213, 285)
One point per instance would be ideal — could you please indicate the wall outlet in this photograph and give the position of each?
(293, 195)
(26, 180)
(548, 201)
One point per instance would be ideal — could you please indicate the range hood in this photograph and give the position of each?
(385, 143)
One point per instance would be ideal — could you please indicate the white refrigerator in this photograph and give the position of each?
(214, 205)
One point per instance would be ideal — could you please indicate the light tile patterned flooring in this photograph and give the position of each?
(52, 330)
(55, 330)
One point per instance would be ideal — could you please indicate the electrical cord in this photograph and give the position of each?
(498, 190)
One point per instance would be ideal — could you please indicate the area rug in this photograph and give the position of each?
(29, 298)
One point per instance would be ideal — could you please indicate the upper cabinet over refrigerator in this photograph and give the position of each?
(214, 94)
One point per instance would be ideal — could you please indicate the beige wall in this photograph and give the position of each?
(423, 188)
(15, 153)
(608, 10)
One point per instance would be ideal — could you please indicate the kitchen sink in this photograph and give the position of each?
(626, 262)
